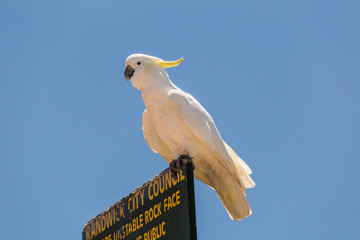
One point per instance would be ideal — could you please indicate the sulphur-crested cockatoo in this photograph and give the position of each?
(176, 125)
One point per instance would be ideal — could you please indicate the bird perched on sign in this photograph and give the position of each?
(176, 126)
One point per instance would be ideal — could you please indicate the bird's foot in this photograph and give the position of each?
(177, 164)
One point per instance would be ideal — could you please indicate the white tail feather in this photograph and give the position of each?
(243, 171)
(233, 198)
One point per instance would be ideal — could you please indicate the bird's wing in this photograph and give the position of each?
(203, 126)
(153, 139)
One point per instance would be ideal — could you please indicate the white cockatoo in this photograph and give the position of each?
(175, 125)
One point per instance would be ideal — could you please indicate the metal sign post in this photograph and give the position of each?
(163, 208)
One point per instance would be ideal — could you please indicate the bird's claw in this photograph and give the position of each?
(177, 164)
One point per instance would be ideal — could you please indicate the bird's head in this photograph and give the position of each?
(143, 70)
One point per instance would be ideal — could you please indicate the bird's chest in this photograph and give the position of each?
(170, 126)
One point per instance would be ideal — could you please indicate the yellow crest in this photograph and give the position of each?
(168, 64)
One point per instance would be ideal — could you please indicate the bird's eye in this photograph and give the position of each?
(138, 63)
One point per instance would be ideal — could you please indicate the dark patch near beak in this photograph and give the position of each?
(129, 72)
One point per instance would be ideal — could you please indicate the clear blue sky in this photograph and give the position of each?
(280, 78)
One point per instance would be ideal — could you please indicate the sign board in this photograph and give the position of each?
(163, 208)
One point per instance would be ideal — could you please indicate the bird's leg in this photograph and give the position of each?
(173, 167)
(177, 164)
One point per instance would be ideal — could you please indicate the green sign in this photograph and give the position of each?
(163, 208)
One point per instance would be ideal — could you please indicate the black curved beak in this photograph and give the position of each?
(129, 72)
